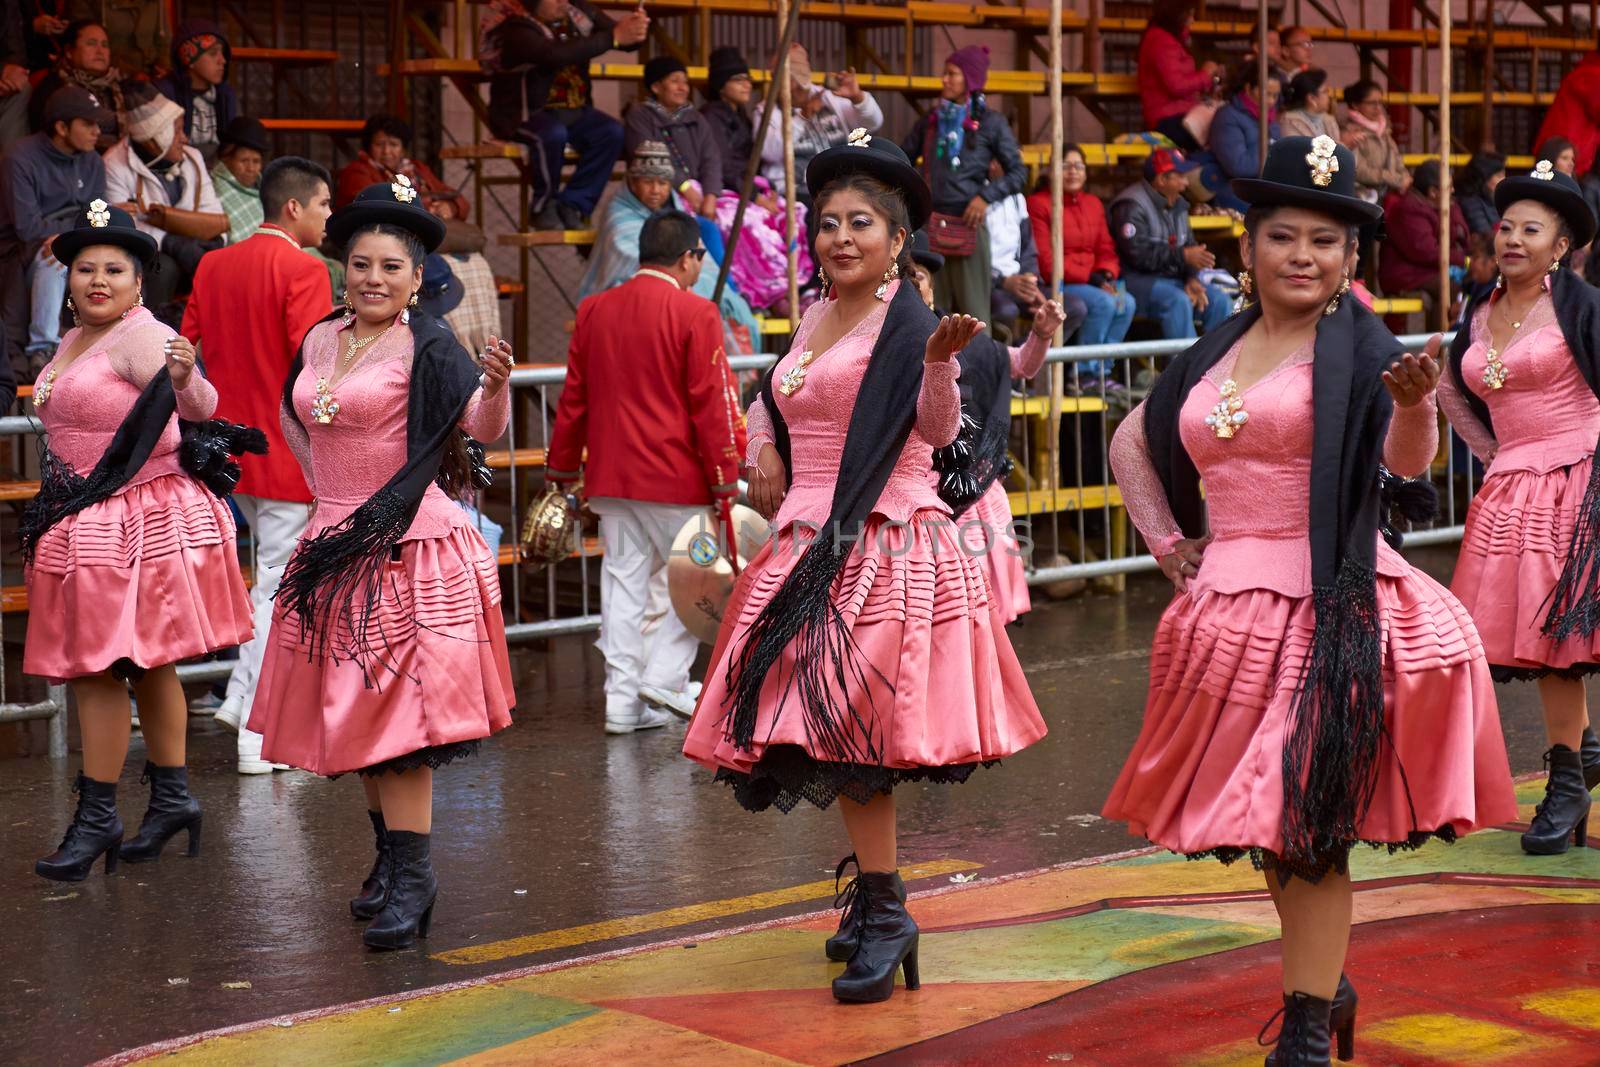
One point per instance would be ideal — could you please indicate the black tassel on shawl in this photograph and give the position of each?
(980, 453)
(334, 581)
(1413, 500)
(1333, 743)
(1574, 601)
(207, 450)
(802, 612)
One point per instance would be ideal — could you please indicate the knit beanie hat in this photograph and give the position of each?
(650, 159)
(660, 66)
(726, 63)
(973, 62)
(150, 116)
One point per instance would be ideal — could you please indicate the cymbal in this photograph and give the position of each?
(700, 578)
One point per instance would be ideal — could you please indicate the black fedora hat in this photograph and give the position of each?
(1315, 173)
(1556, 191)
(879, 157)
(395, 203)
(103, 224)
(922, 252)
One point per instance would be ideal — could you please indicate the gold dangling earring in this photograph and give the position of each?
(1247, 285)
(1555, 265)
(1333, 305)
(405, 312)
(827, 282)
(349, 311)
(73, 308)
(888, 276)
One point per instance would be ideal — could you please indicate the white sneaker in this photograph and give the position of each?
(647, 719)
(678, 701)
(206, 705)
(250, 761)
(230, 714)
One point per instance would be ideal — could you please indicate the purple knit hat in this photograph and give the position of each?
(973, 62)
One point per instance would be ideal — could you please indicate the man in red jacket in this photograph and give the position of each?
(648, 391)
(252, 305)
(1575, 112)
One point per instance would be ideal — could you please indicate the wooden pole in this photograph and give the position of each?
(1057, 139)
(791, 234)
(1261, 81)
(1445, 82)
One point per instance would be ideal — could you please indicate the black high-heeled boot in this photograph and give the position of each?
(1341, 1021)
(888, 942)
(408, 909)
(1590, 752)
(842, 945)
(96, 828)
(1305, 1040)
(1564, 811)
(171, 809)
(375, 889)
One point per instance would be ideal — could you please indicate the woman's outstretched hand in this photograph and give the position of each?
(1411, 378)
(953, 334)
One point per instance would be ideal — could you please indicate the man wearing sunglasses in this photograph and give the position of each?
(649, 394)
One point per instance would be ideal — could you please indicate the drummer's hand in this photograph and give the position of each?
(766, 479)
(496, 361)
(1411, 378)
(179, 354)
(1184, 561)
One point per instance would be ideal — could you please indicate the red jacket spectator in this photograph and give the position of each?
(1169, 82)
(1575, 114)
(1409, 257)
(363, 171)
(1086, 244)
(649, 392)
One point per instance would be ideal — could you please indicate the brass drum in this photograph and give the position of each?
(699, 577)
(550, 532)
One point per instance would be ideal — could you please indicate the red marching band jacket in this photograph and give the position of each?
(650, 394)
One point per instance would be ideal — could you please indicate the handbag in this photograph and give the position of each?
(949, 236)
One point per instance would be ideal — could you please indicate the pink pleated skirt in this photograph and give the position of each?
(437, 678)
(1518, 530)
(939, 684)
(1206, 774)
(149, 576)
(1000, 553)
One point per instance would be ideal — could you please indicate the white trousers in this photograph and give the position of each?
(276, 526)
(640, 635)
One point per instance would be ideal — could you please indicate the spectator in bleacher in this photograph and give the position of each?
(727, 110)
(618, 223)
(954, 147)
(1575, 112)
(1097, 304)
(667, 117)
(650, 397)
(1380, 168)
(1013, 262)
(760, 268)
(1274, 57)
(1560, 152)
(1474, 191)
(85, 61)
(1308, 106)
(1297, 46)
(252, 305)
(1161, 260)
(14, 84)
(1234, 150)
(47, 181)
(199, 84)
(44, 21)
(384, 140)
(822, 119)
(1170, 83)
(540, 95)
(241, 153)
(154, 175)
(1409, 261)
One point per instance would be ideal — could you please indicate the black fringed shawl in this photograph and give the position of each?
(1330, 752)
(204, 452)
(801, 611)
(1575, 600)
(978, 456)
(337, 575)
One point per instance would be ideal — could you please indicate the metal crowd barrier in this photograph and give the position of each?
(1098, 384)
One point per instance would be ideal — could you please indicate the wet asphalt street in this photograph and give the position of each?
(553, 827)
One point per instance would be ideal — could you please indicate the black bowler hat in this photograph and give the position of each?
(922, 253)
(245, 132)
(394, 203)
(879, 157)
(103, 224)
(1556, 191)
(1315, 173)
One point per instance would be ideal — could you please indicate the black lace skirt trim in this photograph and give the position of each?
(1529, 674)
(785, 775)
(1336, 860)
(435, 756)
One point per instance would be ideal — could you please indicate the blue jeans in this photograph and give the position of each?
(47, 286)
(597, 138)
(1165, 301)
(1106, 317)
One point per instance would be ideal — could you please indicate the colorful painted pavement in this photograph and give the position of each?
(1467, 954)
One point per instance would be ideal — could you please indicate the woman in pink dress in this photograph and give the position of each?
(388, 652)
(1521, 392)
(1309, 690)
(861, 648)
(131, 560)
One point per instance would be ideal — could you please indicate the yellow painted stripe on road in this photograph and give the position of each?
(1575, 1007)
(670, 917)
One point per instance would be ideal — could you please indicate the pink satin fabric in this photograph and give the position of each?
(1001, 555)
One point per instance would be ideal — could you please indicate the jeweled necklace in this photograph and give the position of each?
(1495, 374)
(325, 405)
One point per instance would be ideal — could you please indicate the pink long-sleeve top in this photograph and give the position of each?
(347, 460)
(818, 416)
(1257, 482)
(1545, 416)
(93, 394)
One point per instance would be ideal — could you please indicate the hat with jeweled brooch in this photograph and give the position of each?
(1555, 190)
(879, 157)
(395, 203)
(103, 224)
(1315, 173)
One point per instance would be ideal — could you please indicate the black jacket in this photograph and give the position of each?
(530, 60)
(1480, 214)
(954, 187)
(735, 135)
